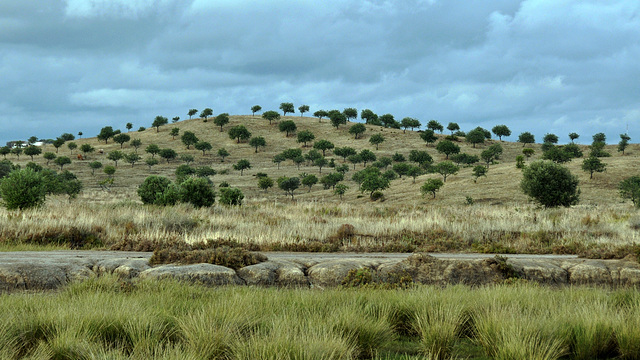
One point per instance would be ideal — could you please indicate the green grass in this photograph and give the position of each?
(105, 318)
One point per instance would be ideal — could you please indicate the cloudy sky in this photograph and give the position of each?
(537, 65)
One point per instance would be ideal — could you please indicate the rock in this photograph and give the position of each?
(27, 276)
(331, 273)
(590, 272)
(206, 274)
(541, 271)
(123, 267)
(274, 273)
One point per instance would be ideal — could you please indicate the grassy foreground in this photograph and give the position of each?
(105, 318)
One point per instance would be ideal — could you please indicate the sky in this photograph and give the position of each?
(543, 66)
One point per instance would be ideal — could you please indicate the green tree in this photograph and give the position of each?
(526, 138)
(159, 121)
(401, 168)
(447, 147)
(62, 161)
(428, 136)
(94, 165)
(323, 145)
(435, 126)
(105, 134)
(5, 150)
(174, 132)
(188, 138)
(478, 171)
(320, 114)
(32, 151)
(593, 164)
(431, 186)
(340, 190)
(192, 112)
(153, 190)
(350, 113)
(492, 153)
(414, 172)
(187, 158)
(475, 136)
(242, 165)
(453, 127)
(600, 137)
(265, 182)
(223, 153)
(388, 120)
(175, 119)
(151, 162)
(86, 149)
(305, 136)
(303, 109)
(239, 132)
(331, 180)
(115, 156)
(136, 143)
(528, 152)
(550, 184)
(320, 163)
(71, 146)
(132, 158)
(231, 196)
(168, 154)
(630, 189)
(288, 184)
(129, 126)
(376, 139)
(197, 191)
(287, 126)
(357, 130)
(203, 146)
(206, 113)
(18, 150)
(573, 136)
(257, 142)
(221, 120)
(344, 152)
(66, 137)
(372, 181)
(557, 154)
(255, 109)
(421, 157)
(355, 159)
(622, 145)
(597, 150)
(152, 149)
(501, 130)
(409, 122)
(271, 116)
(287, 107)
(121, 139)
(22, 189)
(278, 158)
(369, 117)
(550, 139)
(337, 118)
(445, 169)
(312, 156)
(49, 156)
(309, 181)
(367, 156)
(57, 143)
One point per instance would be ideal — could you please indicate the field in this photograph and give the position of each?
(500, 219)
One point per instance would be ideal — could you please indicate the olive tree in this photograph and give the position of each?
(255, 109)
(630, 189)
(550, 184)
(239, 132)
(287, 107)
(376, 139)
(357, 130)
(303, 109)
(501, 130)
(257, 142)
(431, 186)
(287, 127)
(221, 120)
(22, 189)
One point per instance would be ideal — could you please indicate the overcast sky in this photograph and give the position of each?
(542, 65)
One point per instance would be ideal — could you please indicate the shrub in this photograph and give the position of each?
(550, 184)
(630, 189)
(152, 190)
(231, 196)
(23, 189)
(198, 192)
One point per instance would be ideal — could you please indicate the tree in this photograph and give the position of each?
(288, 185)
(33, 139)
(305, 136)
(223, 153)
(401, 168)
(192, 112)
(197, 191)
(106, 133)
(331, 180)
(189, 138)
(129, 126)
(115, 156)
(435, 126)
(152, 149)
(231, 196)
(278, 158)
(312, 156)
(573, 136)
(320, 114)
(303, 109)
(478, 171)
(428, 136)
(414, 172)
(453, 127)
(72, 146)
(298, 160)
(239, 132)
(367, 156)
(475, 136)
(350, 113)
(357, 129)
(409, 122)
(597, 149)
(340, 190)
(242, 165)
(630, 189)
(550, 184)
(255, 109)
(355, 159)
(80, 134)
(109, 170)
(445, 169)
(371, 180)
(421, 157)
(203, 146)
(550, 139)
(288, 127)
(387, 120)
(5, 150)
(526, 138)
(188, 158)
(49, 156)
(447, 147)
(153, 189)
(323, 145)
(168, 154)
(132, 158)
(174, 132)
(62, 161)
(320, 163)
(159, 121)
(136, 143)
(492, 153)
(265, 182)
(66, 137)
(600, 137)
(309, 181)
(151, 162)
(32, 151)
(287, 107)
(593, 164)
(337, 118)
(121, 139)
(257, 142)
(57, 143)
(18, 150)
(528, 152)
(221, 120)
(22, 189)
(344, 152)
(622, 145)
(376, 139)
(206, 113)
(556, 154)
(369, 117)
(431, 186)
(175, 119)
(501, 130)
(271, 116)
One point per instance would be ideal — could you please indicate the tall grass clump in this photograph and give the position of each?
(438, 324)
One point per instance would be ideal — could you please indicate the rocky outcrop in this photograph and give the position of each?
(51, 270)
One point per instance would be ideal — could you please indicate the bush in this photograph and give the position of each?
(23, 189)
(231, 196)
(198, 192)
(152, 190)
(550, 184)
(630, 189)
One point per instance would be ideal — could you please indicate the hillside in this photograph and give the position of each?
(500, 186)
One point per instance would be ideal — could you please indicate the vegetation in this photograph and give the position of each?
(550, 184)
